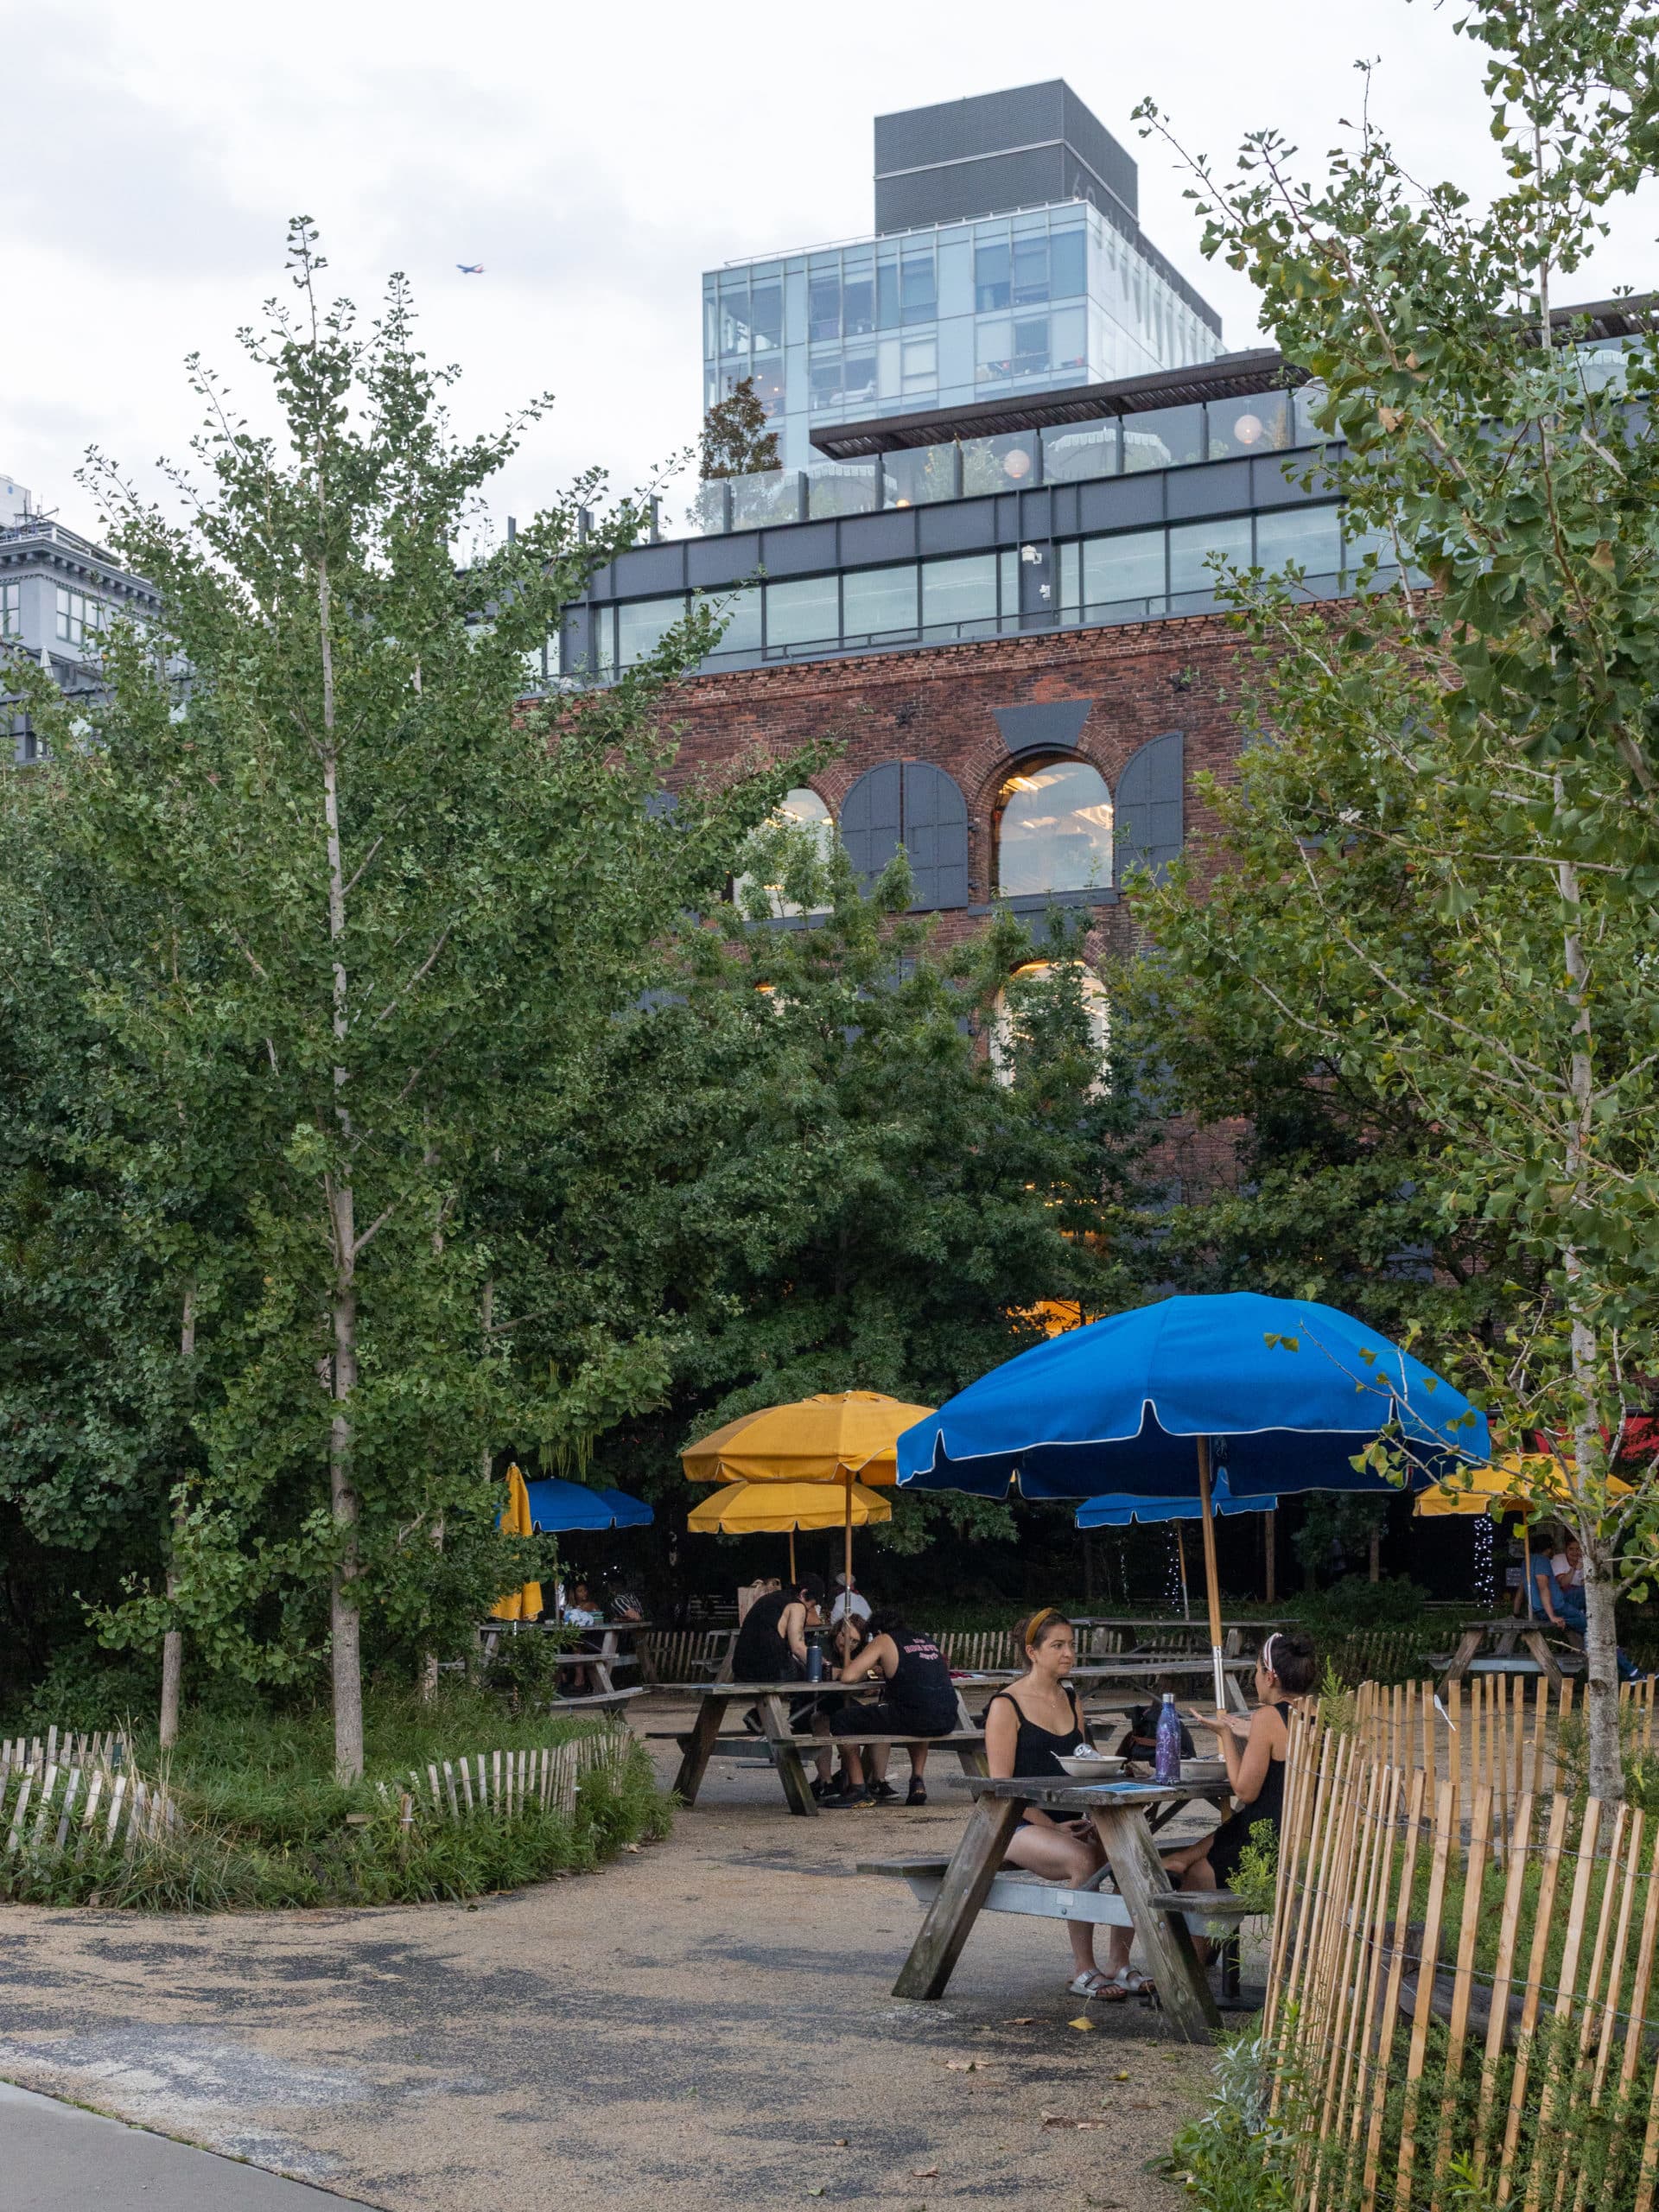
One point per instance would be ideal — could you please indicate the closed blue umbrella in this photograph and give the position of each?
(1283, 1393)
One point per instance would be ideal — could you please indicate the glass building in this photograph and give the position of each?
(1007, 258)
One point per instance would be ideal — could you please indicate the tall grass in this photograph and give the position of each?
(263, 1824)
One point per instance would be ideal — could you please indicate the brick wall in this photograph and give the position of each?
(936, 704)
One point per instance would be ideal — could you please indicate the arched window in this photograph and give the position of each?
(1008, 1030)
(913, 803)
(800, 809)
(1053, 829)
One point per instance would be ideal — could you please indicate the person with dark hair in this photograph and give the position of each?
(847, 1639)
(771, 1646)
(1029, 1728)
(917, 1699)
(1256, 1747)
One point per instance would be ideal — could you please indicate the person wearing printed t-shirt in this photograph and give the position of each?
(917, 1699)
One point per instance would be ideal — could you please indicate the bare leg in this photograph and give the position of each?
(1059, 1856)
(1179, 1861)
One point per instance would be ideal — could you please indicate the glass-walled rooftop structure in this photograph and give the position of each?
(989, 298)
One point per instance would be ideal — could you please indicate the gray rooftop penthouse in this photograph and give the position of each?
(1006, 256)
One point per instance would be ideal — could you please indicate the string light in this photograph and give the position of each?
(1485, 1570)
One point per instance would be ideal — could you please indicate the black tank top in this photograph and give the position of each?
(760, 1654)
(1039, 1751)
(1269, 1802)
(920, 1685)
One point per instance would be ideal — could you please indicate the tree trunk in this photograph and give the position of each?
(345, 1620)
(1377, 1555)
(173, 1641)
(1606, 1761)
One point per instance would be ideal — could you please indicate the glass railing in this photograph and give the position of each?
(967, 469)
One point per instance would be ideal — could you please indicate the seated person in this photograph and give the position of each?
(917, 1699)
(581, 1611)
(848, 1601)
(1029, 1728)
(771, 1646)
(1255, 1747)
(846, 1642)
(1559, 1581)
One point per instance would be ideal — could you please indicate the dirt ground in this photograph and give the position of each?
(707, 2020)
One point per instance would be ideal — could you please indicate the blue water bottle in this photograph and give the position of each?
(1166, 1754)
(814, 1656)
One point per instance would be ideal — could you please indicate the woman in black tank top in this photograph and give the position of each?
(1256, 1749)
(1029, 1727)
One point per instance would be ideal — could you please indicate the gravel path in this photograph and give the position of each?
(706, 2021)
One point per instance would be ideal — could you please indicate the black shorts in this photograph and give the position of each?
(883, 1719)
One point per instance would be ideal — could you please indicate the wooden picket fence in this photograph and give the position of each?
(1460, 2006)
(504, 1785)
(1499, 1732)
(79, 1791)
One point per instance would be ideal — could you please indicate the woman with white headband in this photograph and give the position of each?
(1256, 1747)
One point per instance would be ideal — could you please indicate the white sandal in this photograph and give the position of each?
(1105, 1987)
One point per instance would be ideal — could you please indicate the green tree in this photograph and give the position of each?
(801, 1153)
(1442, 864)
(735, 439)
(363, 901)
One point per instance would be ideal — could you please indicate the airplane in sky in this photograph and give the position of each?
(470, 267)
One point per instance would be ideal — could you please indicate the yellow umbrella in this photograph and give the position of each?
(1513, 1484)
(816, 1440)
(768, 1509)
(1507, 1485)
(832, 1438)
(526, 1603)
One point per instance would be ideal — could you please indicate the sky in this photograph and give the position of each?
(596, 159)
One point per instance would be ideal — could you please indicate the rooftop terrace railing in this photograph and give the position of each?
(965, 468)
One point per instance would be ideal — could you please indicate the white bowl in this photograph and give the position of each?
(1103, 1767)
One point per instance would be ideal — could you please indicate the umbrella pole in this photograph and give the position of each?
(1210, 1575)
(848, 1563)
(794, 1583)
(1180, 1554)
(1526, 1562)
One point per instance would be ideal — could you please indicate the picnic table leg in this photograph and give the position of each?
(1468, 1644)
(695, 1764)
(1538, 1644)
(1236, 1697)
(967, 1883)
(786, 1750)
(1140, 1874)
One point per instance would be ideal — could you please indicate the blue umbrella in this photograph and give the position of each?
(1283, 1392)
(1121, 1511)
(558, 1507)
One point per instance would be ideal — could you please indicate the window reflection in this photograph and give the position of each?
(800, 809)
(1054, 829)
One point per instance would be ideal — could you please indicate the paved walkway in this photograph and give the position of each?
(57, 2155)
(709, 2020)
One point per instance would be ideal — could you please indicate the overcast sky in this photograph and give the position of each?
(596, 157)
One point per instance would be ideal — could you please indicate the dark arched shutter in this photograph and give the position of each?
(934, 829)
(869, 821)
(1149, 809)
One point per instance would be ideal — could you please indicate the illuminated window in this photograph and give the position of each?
(1054, 829)
(800, 809)
(1011, 1017)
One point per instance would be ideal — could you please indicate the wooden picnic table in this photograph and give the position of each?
(1500, 1637)
(1123, 1813)
(786, 1748)
(1097, 1676)
(1235, 1635)
(602, 1660)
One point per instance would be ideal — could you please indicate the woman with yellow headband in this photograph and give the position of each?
(1029, 1728)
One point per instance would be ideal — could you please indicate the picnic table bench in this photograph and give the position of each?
(1497, 1639)
(601, 1663)
(773, 1700)
(958, 1890)
(1099, 1679)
